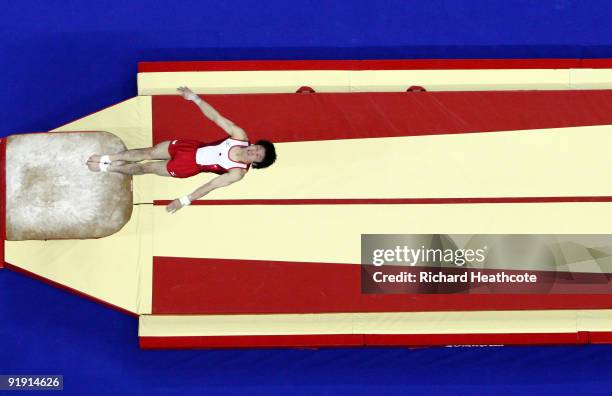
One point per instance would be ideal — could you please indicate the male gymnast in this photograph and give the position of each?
(229, 158)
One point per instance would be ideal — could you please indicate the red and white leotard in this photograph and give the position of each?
(190, 157)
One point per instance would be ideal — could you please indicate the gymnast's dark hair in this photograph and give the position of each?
(270, 156)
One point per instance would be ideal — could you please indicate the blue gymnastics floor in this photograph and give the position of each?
(60, 60)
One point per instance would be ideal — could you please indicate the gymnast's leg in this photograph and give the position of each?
(130, 168)
(157, 152)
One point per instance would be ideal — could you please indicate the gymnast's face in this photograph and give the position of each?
(255, 153)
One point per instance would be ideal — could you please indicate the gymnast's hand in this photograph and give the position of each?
(174, 206)
(187, 93)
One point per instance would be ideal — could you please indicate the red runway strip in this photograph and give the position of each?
(293, 341)
(352, 340)
(321, 116)
(388, 64)
(392, 201)
(600, 338)
(223, 286)
(477, 339)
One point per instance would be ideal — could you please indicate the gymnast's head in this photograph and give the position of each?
(261, 154)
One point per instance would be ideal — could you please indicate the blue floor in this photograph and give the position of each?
(60, 60)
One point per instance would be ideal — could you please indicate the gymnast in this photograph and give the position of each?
(229, 158)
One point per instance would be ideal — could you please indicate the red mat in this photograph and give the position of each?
(320, 116)
(210, 286)
(384, 64)
(355, 340)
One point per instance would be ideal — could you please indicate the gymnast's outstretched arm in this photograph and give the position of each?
(224, 180)
(227, 125)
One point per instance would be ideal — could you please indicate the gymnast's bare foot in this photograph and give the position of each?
(94, 158)
(96, 166)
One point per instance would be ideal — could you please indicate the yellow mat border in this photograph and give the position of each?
(287, 81)
(481, 322)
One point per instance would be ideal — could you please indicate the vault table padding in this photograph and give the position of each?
(51, 194)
